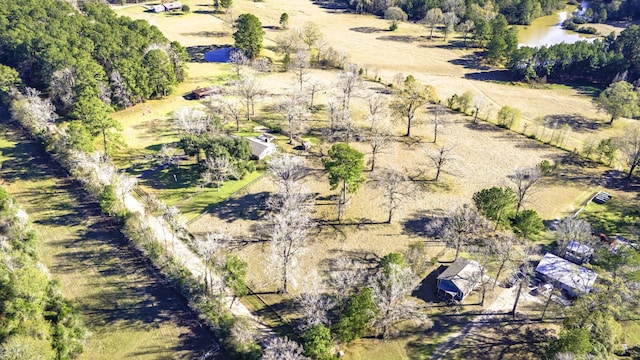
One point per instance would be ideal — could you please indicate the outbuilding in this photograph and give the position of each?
(459, 280)
(565, 275)
(261, 147)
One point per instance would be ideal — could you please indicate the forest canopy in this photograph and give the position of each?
(71, 55)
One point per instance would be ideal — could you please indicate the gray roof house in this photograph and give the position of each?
(261, 147)
(577, 252)
(459, 279)
(566, 275)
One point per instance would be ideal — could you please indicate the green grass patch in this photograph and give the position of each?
(616, 216)
(183, 190)
(127, 312)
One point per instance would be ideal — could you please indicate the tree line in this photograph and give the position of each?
(36, 321)
(88, 63)
(602, 61)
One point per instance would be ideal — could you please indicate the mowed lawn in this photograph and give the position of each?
(129, 310)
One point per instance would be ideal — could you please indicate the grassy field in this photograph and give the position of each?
(129, 310)
(485, 154)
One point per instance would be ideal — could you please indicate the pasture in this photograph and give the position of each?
(127, 307)
(485, 155)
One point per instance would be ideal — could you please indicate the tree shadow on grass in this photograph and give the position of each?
(128, 288)
(419, 223)
(366, 29)
(247, 207)
(577, 122)
(504, 338)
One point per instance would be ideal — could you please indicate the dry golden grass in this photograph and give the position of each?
(486, 155)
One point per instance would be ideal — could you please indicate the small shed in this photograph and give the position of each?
(459, 280)
(173, 6)
(577, 252)
(201, 93)
(566, 275)
(260, 148)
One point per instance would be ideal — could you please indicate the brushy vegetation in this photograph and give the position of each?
(36, 320)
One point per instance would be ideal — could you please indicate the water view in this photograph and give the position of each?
(547, 30)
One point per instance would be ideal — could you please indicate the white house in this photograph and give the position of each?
(261, 147)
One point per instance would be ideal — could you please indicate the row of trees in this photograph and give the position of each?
(515, 11)
(36, 321)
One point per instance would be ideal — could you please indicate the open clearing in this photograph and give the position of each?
(486, 155)
(129, 310)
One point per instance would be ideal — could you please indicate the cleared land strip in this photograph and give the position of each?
(129, 309)
(192, 261)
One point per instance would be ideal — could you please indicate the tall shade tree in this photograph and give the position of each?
(248, 35)
(572, 229)
(461, 226)
(395, 187)
(432, 18)
(619, 100)
(409, 99)
(94, 114)
(394, 14)
(497, 204)
(288, 228)
(450, 20)
(629, 146)
(524, 179)
(344, 166)
(440, 158)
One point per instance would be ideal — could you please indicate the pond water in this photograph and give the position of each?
(547, 30)
(219, 55)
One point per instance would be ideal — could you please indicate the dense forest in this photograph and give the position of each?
(601, 61)
(79, 57)
(515, 11)
(36, 321)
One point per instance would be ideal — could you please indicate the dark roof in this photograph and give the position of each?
(464, 274)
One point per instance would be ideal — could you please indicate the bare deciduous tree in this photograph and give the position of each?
(524, 180)
(124, 184)
(230, 107)
(210, 250)
(314, 87)
(377, 106)
(346, 277)
(395, 187)
(288, 229)
(191, 121)
(349, 84)
(440, 158)
(119, 90)
(438, 120)
(629, 146)
(250, 90)
(502, 248)
(314, 304)
(62, 84)
(450, 20)
(300, 67)
(218, 170)
(238, 59)
(460, 227)
(289, 42)
(243, 333)
(572, 229)
(33, 111)
(379, 139)
(391, 289)
(479, 103)
(295, 110)
(283, 349)
(287, 170)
